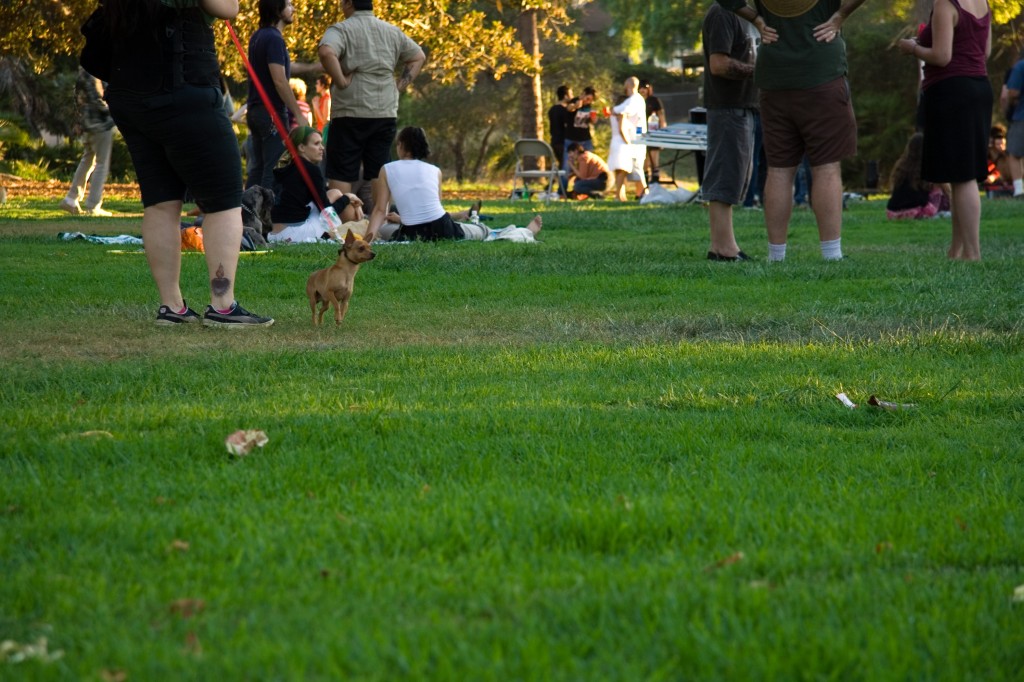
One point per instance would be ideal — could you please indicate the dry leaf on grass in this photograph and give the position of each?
(113, 675)
(88, 434)
(193, 647)
(96, 434)
(727, 561)
(1018, 594)
(178, 546)
(186, 608)
(241, 443)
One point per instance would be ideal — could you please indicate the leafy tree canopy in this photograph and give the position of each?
(671, 25)
(462, 38)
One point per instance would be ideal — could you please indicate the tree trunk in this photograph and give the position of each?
(459, 158)
(15, 79)
(530, 114)
(482, 156)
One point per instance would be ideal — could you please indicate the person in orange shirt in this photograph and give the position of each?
(590, 171)
(322, 102)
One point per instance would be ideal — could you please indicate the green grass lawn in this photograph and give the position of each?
(601, 457)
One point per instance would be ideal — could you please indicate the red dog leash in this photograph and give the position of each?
(278, 123)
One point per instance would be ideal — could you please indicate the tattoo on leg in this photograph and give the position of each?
(220, 284)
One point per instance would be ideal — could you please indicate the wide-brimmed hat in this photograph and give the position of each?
(788, 8)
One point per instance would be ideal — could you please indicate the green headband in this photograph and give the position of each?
(301, 134)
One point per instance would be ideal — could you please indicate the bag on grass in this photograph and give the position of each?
(192, 239)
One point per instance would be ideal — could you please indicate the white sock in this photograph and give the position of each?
(832, 250)
(776, 252)
(1018, 187)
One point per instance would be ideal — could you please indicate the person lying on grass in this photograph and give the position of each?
(296, 215)
(415, 187)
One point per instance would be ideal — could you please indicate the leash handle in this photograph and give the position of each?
(278, 123)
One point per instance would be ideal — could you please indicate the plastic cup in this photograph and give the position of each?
(331, 221)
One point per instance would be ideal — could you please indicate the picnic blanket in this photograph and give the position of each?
(96, 239)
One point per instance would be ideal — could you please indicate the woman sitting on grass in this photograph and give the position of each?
(296, 215)
(415, 187)
(913, 198)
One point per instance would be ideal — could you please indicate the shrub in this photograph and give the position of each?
(33, 159)
(28, 170)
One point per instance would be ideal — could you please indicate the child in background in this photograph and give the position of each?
(999, 181)
(298, 87)
(913, 198)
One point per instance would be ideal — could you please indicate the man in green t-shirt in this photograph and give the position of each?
(805, 110)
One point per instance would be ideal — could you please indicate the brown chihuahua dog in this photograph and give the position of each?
(333, 286)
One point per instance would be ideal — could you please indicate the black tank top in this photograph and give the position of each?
(169, 49)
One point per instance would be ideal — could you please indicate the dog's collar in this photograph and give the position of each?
(345, 252)
(250, 212)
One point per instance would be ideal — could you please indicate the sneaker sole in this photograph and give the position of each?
(217, 323)
(174, 323)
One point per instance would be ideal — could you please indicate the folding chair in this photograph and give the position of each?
(542, 154)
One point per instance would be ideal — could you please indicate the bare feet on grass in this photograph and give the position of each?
(535, 224)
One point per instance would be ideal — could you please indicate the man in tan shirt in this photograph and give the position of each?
(361, 55)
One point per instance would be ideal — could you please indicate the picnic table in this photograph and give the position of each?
(682, 139)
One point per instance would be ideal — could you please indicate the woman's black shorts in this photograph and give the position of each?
(181, 140)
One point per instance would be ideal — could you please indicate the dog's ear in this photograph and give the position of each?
(349, 238)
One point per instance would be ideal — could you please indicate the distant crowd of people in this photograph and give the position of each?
(782, 76)
(636, 112)
(182, 143)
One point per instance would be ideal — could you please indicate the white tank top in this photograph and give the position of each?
(415, 189)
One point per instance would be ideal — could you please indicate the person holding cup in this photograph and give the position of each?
(580, 125)
(296, 212)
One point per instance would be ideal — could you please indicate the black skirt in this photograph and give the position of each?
(442, 228)
(956, 116)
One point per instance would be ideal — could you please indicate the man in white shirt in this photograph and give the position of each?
(633, 111)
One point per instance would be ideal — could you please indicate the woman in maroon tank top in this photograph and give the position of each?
(956, 110)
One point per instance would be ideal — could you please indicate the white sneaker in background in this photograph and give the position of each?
(70, 206)
(97, 212)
